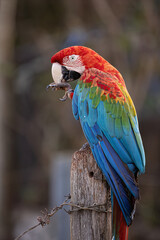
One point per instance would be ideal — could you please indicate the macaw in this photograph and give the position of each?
(109, 121)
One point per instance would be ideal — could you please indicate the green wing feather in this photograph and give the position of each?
(119, 120)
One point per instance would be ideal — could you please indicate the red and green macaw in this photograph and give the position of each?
(109, 121)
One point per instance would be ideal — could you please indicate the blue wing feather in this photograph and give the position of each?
(75, 105)
(114, 146)
(92, 114)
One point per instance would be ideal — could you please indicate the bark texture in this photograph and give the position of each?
(88, 188)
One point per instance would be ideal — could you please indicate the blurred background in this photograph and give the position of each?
(38, 133)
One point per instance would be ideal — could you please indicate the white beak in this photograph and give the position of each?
(56, 71)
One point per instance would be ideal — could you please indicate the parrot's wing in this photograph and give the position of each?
(109, 122)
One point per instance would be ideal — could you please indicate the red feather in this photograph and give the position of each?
(120, 228)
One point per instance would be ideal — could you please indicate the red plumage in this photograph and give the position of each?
(120, 228)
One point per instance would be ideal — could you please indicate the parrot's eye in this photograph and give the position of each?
(73, 57)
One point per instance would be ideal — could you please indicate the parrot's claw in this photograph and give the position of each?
(58, 86)
(61, 86)
(64, 98)
(66, 95)
(51, 86)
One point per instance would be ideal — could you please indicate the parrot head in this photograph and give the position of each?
(70, 63)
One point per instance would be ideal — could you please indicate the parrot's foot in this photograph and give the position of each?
(85, 146)
(62, 86)
(68, 94)
(59, 86)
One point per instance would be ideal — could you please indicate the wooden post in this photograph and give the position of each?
(88, 188)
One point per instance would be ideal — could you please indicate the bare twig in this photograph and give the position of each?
(45, 218)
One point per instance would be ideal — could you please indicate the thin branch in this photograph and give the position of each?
(45, 218)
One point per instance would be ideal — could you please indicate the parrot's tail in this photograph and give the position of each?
(119, 226)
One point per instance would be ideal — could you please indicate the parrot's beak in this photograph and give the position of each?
(61, 76)
(69, 75)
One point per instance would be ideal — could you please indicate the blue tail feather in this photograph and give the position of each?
(115, 183)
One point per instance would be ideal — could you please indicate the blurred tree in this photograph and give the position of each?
(7, 30)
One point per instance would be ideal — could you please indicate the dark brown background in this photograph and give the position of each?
(35, 125)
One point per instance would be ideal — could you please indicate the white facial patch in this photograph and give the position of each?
(74, 63)
(80, 69)
(56, 71)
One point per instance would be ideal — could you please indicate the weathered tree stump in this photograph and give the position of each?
(89, 188)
